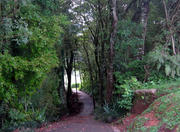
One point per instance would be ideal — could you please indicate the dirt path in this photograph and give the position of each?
(82, 122)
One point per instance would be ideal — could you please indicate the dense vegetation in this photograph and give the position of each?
(118, 46)
(29, 82)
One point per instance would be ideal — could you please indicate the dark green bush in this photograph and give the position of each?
(75, 85)
(26, 57)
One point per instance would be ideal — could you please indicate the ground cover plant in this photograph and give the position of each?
(162, 115)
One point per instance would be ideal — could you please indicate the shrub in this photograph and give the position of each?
(75, 85)
(162, 60)
(107, 113)
(26, 57)
(124, 92)
(48, 96)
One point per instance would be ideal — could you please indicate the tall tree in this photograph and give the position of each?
(69, 58)
(90, 68)
(110, 78)
(170, 21)
(144, 20)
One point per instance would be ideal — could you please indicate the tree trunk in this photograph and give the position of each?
(69, 90)
(90, 73)
(141, 16)
(1, 18)
(60, 72)
(69, 62)
(144, 21)
(169, 27)
(3, 15)
(101, 83)
(110, 70)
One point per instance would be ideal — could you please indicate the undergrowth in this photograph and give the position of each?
(163, 87)
(166, 110)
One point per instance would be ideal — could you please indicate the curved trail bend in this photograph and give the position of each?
(83, 122)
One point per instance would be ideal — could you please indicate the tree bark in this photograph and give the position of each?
(169, 25)
(102, 41)
(110, 70)
(128, 7)
(60, 73)
(69, 71)
(1, 19)
(90, 73)
(100, 75)
(144, 21)
(141, 16)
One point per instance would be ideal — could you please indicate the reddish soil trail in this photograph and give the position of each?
(83, 122)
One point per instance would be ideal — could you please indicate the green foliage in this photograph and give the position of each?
(158, 76)
(122, 101)
(162, 59)
(75, 85)
(127, 50)
(163, 87)
(86, 84)
(126, 92)
(27, 54)
(27, 74)
(49, 7)
(48, 96)
(128, 41)
(136, 68)
(31, 34)
(107, 113)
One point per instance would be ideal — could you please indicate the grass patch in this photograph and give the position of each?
(166, 110)
(163, 87)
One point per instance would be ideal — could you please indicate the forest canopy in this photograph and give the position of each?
(117, 46)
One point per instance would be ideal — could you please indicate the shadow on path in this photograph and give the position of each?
(83, 122)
